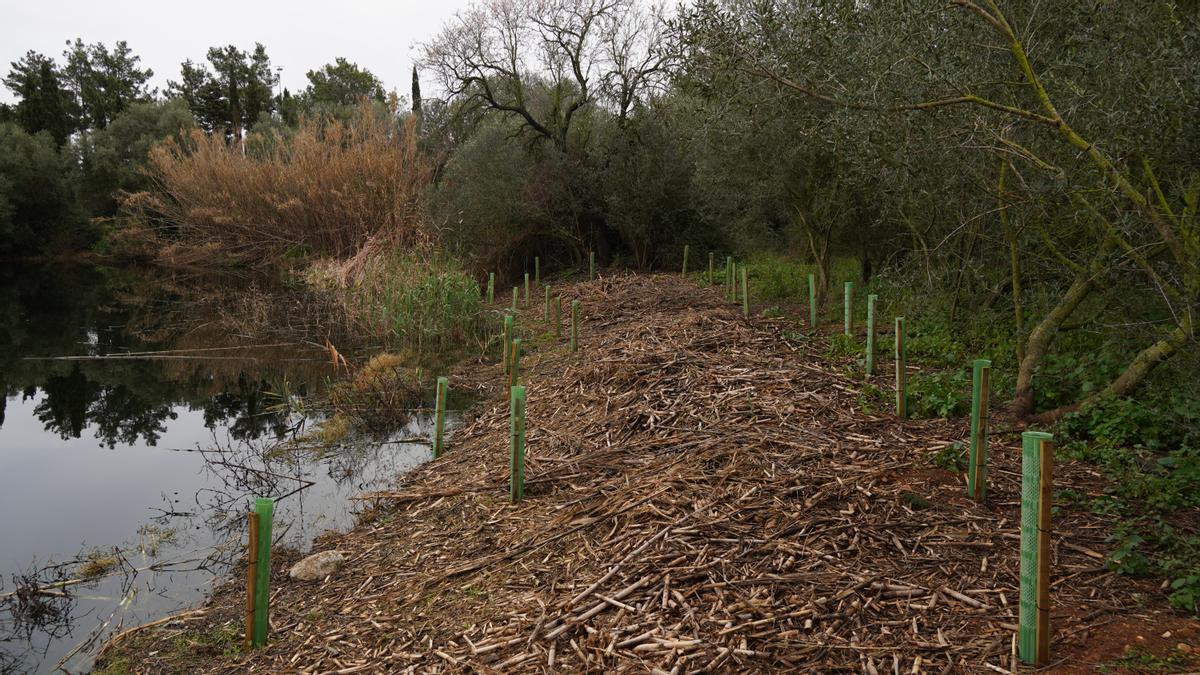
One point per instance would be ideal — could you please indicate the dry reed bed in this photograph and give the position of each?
(704, 495)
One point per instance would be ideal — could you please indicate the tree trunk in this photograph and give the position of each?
(1043, 335)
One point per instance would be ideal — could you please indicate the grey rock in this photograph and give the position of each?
(317, 566)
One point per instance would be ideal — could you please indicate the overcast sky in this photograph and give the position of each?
(300, 35)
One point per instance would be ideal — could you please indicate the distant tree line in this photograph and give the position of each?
(78, 135)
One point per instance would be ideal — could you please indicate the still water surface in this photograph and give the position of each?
(148, 463)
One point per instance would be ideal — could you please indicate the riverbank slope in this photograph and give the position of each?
(703, 492)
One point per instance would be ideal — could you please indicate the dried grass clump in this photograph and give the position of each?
(331, 188)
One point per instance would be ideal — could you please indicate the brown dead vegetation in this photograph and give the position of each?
(703, 495)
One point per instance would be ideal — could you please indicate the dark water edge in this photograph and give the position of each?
(140, 466)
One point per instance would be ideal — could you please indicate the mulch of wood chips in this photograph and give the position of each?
(702, 493)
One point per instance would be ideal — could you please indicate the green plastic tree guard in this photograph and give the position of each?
(537, 269)
(265, 508)
(901, 372)
(812, 301)
(516, 294)
(685, 257)
(574, 325)
(745, 295)
(546, 308)
(516, 466)
(514, 371)
(591, 265)
(439, 416)
(848, 296)
(491, 287)
(729, 277)
(1037, 464)
(558, 316)
(711, 260)
(871, 333)
(508, 336)
(977, 467)
(527, 289)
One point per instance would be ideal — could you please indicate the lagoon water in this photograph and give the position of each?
(149, 462)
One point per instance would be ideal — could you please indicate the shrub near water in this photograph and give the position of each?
(421, 300)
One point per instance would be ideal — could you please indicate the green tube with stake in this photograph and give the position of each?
(812, 301)
(262, 583)
(871, 333)
(981, 371)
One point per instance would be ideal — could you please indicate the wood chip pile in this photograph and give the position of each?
(703, 494)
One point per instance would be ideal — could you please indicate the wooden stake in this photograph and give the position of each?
(439, 415)
(977, 465)
(574, 325)
(516, 463)
(901, 373)
(848, 296)
(251, 577)
(871, 333)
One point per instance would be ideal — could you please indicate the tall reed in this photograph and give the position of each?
(329, 188)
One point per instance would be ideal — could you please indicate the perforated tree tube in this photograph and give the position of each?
(1037, 462)
(871, 333)
(745, 295)
(516, 465)
(508, 336)
(901, 373)
(977, 466)
(848, 296)
(514, 371)
(265, 508)
(812, 301)
(574, 325)
(439, 415)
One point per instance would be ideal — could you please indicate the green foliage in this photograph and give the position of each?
(37, 209)
(231, 92)
(950, 458)
(940, 393)
(1148, 449)
(104, 82)
(112, 159)
(341, 83)
(44, 103)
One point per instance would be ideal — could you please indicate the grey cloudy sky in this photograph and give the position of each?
(300, 35)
